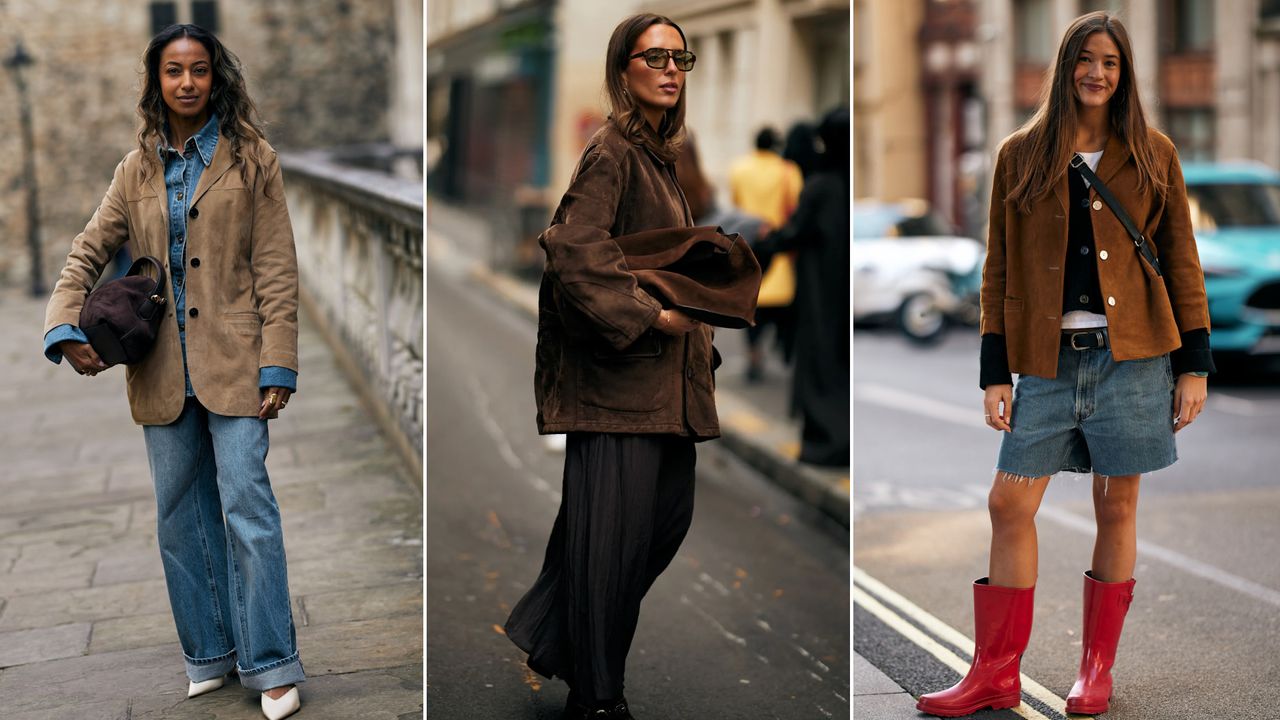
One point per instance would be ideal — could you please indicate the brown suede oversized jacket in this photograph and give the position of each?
(241, 286)
(600, 366)
(1147, 315)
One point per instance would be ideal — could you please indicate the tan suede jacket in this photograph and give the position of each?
(600, 366)
(241, 281)
(1023, 277)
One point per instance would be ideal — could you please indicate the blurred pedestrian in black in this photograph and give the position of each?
(628, 378)
(801, 148)
(768, 186)
(819, 233)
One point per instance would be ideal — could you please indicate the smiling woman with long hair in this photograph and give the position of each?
(203, 193)
(1109, 335)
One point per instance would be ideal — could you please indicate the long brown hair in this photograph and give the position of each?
(697, 190)
(1042, 148)
(624, 111)
(229, 99)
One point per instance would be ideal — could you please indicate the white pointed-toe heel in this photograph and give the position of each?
(207, 686)
(287, 705)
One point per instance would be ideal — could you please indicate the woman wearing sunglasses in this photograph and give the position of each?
(628, 379)
(1110, 339)
(203, 191)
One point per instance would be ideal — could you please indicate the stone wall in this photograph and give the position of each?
(359, 238)
(321, 72)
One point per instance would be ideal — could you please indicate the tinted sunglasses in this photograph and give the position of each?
(656, 58)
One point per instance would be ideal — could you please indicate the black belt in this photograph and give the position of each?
(1090, 339)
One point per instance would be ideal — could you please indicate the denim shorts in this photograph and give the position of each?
(1098, 415)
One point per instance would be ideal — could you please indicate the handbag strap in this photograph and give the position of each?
(155, 298)
(1139, 241)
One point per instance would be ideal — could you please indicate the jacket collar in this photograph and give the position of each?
(1114, 157)
(218, 167)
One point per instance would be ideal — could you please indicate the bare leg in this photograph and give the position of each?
(1012, 504)
(1115, 507)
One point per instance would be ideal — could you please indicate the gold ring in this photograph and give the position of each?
(271, 398)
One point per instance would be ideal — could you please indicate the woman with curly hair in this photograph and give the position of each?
(202, 192)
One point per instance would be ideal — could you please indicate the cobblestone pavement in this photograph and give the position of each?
(85, 629)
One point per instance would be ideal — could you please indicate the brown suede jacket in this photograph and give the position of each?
(600, 366)
(1147, 315)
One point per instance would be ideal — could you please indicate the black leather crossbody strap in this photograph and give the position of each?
(1139, 242)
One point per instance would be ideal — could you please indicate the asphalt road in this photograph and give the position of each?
(1202, 634)
(750, 621)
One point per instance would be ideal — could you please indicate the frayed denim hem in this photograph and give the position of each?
(278, 674)
(199, 670)
(1076, 473)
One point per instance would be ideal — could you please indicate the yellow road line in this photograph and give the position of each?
(928, 644)
(948, 634)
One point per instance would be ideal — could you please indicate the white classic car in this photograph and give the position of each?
(911, 269)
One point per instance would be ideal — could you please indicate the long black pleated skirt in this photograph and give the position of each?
(626, 506)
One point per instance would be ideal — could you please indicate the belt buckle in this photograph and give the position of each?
(1096, 333)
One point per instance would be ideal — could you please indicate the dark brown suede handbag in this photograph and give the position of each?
(122, 317)
(707, 275)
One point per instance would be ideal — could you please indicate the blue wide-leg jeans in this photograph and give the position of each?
(228, 585)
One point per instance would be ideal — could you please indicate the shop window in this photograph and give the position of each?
(1033, 32)
(1192, 25)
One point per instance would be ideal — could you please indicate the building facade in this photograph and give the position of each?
(489, 79)
(760, 63)
(940, 83)
(515, 90)
(889, 140)
(1209, 72)
(322, 74)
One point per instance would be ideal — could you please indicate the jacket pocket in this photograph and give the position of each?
(648, 345)
(244, 323)
(629, 380)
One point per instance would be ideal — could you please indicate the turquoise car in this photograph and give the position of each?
(1235, 212)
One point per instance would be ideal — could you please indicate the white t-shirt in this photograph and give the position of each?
(1081, 319)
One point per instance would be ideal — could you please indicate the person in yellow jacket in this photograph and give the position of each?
(767, 186)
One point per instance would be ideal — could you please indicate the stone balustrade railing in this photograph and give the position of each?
(359, 239)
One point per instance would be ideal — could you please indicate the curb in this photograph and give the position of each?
(824, 490)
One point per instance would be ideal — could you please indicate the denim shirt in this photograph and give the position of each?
(182, 171)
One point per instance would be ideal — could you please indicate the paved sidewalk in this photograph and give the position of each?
(753, 418)
(85, 629)
(877, 697)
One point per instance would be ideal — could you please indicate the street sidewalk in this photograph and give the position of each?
(877, 697)
(753, 417)
(85, 627)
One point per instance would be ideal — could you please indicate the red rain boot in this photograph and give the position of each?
(1105, 605)
(1002, 627)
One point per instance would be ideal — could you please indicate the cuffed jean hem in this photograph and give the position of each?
(278, 674)
(209, 668)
